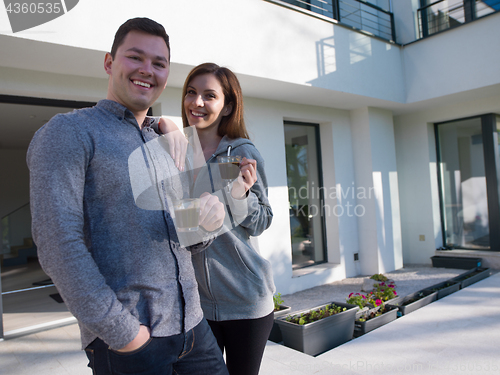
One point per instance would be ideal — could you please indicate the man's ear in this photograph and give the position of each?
(108, 61)
(228, 109)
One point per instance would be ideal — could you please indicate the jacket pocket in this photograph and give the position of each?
(245, 277)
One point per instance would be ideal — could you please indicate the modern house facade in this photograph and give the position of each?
(378, 120)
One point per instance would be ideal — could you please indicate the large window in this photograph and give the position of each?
(435, 16)
(305, 194)
(468, 155)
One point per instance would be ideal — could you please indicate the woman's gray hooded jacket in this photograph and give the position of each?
(234, 280)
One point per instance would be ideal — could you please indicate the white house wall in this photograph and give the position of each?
(452, 62)
(31, 83)
(376, 177)
(265, 122)
(340, 150)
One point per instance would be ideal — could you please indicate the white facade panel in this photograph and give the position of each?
(455, 61)
(376, 172)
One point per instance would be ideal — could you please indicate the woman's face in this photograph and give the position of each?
(204, 102)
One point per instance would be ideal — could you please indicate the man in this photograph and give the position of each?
(120, 268)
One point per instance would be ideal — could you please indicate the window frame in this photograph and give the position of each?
(488, 127)
(320, 188)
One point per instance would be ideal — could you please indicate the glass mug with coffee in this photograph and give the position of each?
(187, 214)
(229, 167)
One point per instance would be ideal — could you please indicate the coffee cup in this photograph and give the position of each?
(187, 214)
(229, 167)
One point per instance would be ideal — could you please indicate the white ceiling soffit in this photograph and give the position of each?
(59, 59)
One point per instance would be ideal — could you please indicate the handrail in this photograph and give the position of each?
(17, 209)
(380, 23)
(430, 5)
(372, 14)
(377, 7)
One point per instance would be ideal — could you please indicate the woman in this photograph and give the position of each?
(235, 282)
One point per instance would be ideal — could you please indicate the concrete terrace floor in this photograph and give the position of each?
(459, 334)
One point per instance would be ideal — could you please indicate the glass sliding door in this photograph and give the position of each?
(305, 194)
(469, 182)
(464, 184)
(491, 129)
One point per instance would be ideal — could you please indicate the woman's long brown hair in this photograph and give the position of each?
(232, 125)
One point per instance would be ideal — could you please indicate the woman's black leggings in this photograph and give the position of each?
(243, 341)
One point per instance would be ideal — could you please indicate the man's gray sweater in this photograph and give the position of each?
(116, 265)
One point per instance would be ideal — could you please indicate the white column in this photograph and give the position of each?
(376, 190)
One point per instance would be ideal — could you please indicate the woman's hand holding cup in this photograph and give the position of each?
(246, 179)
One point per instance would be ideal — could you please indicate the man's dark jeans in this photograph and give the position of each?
(193, 352)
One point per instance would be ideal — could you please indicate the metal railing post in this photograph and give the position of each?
(393, 27)
(424, 22)
(336, 9)
(1, 307)
(469, 10)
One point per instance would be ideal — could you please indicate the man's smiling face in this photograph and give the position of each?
(139, 71)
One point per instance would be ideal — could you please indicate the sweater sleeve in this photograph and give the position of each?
(253, 213)
(57, 158)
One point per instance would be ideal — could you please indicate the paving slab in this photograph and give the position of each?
(458, 334)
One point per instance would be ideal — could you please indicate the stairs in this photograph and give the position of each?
(19, 254)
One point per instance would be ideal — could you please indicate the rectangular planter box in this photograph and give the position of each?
(322, 335)
(455, 262)
(362, 311)
(445, 288)
(360, 328)
(406, 309)
(275, 335)
(395, 301)
(472, 276)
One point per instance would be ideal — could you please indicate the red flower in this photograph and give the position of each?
(350, 295)
(378, 302)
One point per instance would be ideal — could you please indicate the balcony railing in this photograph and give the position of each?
(368, 17)
(358, 14)
(446, 14)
